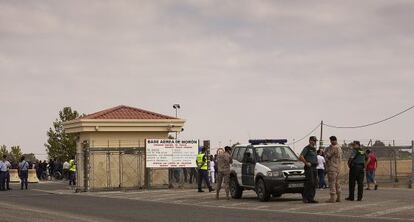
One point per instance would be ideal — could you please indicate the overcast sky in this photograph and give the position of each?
(239, 69)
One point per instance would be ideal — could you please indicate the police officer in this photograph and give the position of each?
(223, 167)
(309, 158)
(356, 165)
(72, 172)
(202, 164)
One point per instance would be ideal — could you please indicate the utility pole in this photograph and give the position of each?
(320, 139)
(412, 163)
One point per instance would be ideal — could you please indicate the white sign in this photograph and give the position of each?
(166, 153)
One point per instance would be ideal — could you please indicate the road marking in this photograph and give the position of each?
(236, 204)
(262, 207)
(175, 196)
(307, 206)
(389, 211)
(353, 207)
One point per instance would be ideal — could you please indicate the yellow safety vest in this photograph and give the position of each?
(200, 162)
(72, 165)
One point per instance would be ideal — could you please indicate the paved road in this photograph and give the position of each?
(52, 201)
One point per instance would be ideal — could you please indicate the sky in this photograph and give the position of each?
(239, 69)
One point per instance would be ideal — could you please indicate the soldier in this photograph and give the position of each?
(356, 165)
(223, 166)
(333, 156)
(309, 158)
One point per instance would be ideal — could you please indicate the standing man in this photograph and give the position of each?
(66, 167)
(321, 170)
(212, 170)
(356, 165)
(7, 176)
(223, 167)
(23, 172)
(3, 169)
(333, 157)
(309, 158)
(371, 167)
(72, 172)
(202, 164)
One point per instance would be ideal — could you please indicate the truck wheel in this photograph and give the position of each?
(235, 190)
(262, 194)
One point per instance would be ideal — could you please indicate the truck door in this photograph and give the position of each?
(248, 165)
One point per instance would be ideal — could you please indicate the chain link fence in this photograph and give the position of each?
(394, 161)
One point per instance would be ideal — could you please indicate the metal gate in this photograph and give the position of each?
(112, 169)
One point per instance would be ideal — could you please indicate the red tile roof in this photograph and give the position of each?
(125, 112)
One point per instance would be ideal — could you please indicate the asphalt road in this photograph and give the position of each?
(53, 202)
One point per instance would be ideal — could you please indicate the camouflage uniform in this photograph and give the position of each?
(223, 166)
(333, 157)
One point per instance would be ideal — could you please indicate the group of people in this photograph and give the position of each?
(220, 166)
(318, 163)
(370, 168)
(43, 171)
(22, 170)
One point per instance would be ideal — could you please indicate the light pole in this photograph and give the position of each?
(176, 107)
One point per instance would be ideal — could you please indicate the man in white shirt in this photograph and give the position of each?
(7, 176)
(66, 167)
(212, 170)
(3, 172)
(321, 170)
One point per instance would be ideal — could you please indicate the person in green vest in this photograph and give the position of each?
(202, 166)
(356, 165)
(72, 172)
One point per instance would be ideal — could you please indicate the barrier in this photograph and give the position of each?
(32, 176)
(14, 176)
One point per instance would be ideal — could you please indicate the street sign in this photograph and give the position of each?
(166, 153)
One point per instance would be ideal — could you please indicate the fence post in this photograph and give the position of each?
(395, 162)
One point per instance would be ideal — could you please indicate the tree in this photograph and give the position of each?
(378, 143)
(59, 144)
(15, 153)
(3, 150)
(30, 157)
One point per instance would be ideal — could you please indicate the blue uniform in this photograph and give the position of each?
(356, 173)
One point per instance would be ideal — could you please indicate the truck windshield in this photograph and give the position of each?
(275, 154)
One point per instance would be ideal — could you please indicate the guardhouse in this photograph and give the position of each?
(110, 148)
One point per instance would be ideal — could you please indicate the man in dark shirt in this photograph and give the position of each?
(356, 165)
(310, 159)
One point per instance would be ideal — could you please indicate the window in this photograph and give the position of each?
(275, 154)
(234, 153)
(240, 154)
(248, 155)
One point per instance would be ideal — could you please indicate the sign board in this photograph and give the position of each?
(166, 153)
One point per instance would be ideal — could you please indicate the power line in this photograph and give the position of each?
(304, 137)
(370, 124)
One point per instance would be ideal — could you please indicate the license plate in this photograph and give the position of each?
(295, 185)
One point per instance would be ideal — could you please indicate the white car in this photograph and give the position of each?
(269, 167)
